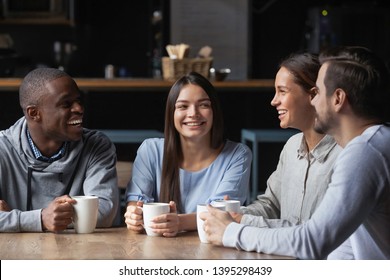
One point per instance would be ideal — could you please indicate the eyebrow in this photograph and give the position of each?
(282, 87)
(186, 101)
(66, 97)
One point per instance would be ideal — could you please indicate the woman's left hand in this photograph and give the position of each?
(167, 224)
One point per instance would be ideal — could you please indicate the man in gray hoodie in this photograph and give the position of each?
(47, 157)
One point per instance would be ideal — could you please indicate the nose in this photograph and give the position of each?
(275, 101)
(77, 107)
(193, 111)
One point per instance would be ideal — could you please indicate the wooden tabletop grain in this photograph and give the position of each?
(114, 243)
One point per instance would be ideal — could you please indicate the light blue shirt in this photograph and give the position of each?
(227, 175)
(355, 211)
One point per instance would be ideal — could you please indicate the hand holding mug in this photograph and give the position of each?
(167, 224)
(155, 218)
(200, 211)
(58, 214)
(134, 217)
(215, 222)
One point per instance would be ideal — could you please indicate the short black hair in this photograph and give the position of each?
(33, 85)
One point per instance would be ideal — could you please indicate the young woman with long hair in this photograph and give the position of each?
(193, 164)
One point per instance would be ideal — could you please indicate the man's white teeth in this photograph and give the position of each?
(75, 122)
(280, 112)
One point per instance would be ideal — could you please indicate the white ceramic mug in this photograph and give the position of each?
(151, 210)
(85, 213)
(230, 205)
(199, 222)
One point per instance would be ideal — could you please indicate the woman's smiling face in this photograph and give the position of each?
(292, 102)
(193, 115)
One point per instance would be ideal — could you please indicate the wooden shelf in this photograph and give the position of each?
(37, 21)
(100, 84)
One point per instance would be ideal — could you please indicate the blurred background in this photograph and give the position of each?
(249, 37)
(84, 36)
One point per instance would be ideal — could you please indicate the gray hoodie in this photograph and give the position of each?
(90, 161)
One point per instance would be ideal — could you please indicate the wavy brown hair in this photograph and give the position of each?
(170, 177)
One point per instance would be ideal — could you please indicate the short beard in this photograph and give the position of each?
(323, 127)
(320, 128)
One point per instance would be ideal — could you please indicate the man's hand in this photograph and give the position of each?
(4, 206)
(215, 223)
(236, 217)
(58, 214)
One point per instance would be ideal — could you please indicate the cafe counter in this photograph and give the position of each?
(140, 103)
(131, 85)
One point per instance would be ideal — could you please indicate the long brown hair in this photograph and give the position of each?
(170, 177)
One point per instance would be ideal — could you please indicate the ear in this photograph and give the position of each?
(340, 99)
(312, 93)
(32, 113)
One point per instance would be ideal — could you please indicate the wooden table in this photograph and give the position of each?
(114, 243)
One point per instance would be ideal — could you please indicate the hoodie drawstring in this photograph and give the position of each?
(29, 176)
